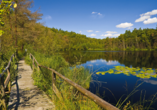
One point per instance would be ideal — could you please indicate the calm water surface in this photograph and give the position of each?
(111, 87)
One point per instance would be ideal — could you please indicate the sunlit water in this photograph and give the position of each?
(112, 86)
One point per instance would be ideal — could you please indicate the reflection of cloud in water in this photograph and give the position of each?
(111, 62)
(103, 60)
(90, 65)
(93, 61)
(154, 82)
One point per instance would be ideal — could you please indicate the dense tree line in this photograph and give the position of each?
(56, 40)
(137, 39)
(134, 59)
(21, 29)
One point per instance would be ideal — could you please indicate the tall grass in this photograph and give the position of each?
(142, 104)
(13, 73)
(72, 98)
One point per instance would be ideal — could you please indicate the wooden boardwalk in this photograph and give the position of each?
(24, 95)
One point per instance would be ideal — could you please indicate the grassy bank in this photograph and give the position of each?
(72, 99)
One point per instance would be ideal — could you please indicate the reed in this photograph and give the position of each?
(72, 98)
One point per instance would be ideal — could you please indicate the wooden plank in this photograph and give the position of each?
(34, 59)
(6, 67)
(54, 88)
(33, 64)
(3, 84)
(7, 79)
(90, 95)
(56, 91)
(53, 78)
(4, 107)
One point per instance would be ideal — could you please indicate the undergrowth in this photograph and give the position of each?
(72, 98)
(13, 73)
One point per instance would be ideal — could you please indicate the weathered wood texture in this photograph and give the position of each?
(4, 83)
(25, 95)
(90, 95)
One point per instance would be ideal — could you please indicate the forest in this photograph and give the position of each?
(20, 29)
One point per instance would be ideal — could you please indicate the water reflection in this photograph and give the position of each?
(154, 82)
(135, 59)
(115, 82)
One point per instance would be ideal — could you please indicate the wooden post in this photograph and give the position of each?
(54, 88)
(4, 107)
(9, 84)
(30, 56)
(38, 68)
(53, 78)
(33, 64)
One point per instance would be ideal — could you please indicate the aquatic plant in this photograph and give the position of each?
(138, 72)
(125, 103)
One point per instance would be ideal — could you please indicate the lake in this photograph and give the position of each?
(111, 87)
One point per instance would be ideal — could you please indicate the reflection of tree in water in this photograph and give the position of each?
(135, 59)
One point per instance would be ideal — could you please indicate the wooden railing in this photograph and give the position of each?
(87, 93)
(4, 82)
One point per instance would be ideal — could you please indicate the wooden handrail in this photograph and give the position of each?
(4, 83)
(7, 66)
(90, 95)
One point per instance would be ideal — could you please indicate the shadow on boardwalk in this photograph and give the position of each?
(24, 95)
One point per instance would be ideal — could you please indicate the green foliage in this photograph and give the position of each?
(5, 8)
(72, 99)
(13, 73)
(53, 39)
(155, 48)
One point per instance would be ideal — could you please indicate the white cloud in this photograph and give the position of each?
(97, 31)
(110, 32)
(153, 12)
(149, 81)
(103, 60)
(142, 18)
(80, 32)
(115, 35)
(93, 61)
(124, 25)
(48, 17)
(110, 35)
(90, 65)
(99, 14)
(111, 63)
(96, 15)
(106, 35)
(92, 35)
(145, 17)
(89, 30)
(94, 12)
(150, 20)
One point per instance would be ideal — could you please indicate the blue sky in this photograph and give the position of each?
(98, 18)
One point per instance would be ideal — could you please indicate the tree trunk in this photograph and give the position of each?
(137, 42)
(123, 44)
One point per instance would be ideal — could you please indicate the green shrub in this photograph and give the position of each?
(72, 99)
